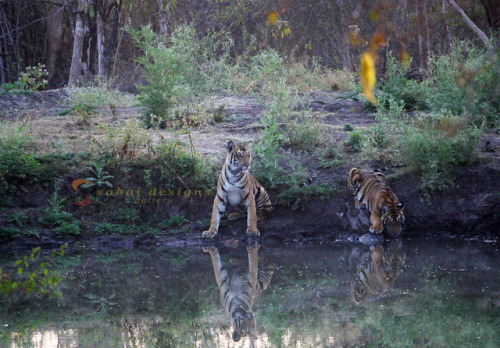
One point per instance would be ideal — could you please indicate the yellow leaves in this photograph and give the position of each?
(272, 17)
(368, 75)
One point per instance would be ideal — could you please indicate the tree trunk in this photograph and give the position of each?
(164, 15)
(112, 42)
(423, 33)
(54, 35)
(472, 26)
(448, 29)
(101, 61)
(76, 60)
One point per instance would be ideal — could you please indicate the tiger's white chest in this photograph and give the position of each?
(234, 195)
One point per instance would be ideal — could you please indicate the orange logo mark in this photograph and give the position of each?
(87, 199)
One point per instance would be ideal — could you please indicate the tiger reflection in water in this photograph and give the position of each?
(239, 290)
(375, 281)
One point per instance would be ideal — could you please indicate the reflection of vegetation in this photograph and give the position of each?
(435, 316)
(31, 274)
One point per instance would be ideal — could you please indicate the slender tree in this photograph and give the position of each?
(76, 60)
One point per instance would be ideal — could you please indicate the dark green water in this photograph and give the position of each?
(402, 294)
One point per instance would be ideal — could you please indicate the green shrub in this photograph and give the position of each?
(171, 69)
(410, 94)
(34, 78)
(87, 98)
(17, 165)
(67, 229)
(16, 218)
(305, 133)
(109, 228)
(299, 196)
(175, 220)
(435, 152)
(464, 80)
(354, 143)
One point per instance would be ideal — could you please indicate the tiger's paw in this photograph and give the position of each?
(376, 228)
(210, 249)
(209, 233)
(253, 232)
(234, 216)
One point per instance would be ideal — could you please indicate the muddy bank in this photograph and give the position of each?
(469, 209)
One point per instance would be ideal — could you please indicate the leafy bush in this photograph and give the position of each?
(175, 220)
(34, 78)
(354, 143)
(17, 167)
(180, 68)
(109, 228)
(305, 133)
(434, 147)
(299, 196)
(86, 99)
(398, 90)
(464, 80)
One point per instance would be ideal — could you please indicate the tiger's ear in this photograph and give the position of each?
(230, 146)
(248, 145)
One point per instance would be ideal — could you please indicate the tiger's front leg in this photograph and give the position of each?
(376, 223)
(252, 216)
(218, 209)
(358, 204)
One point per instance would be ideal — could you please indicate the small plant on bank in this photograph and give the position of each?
(299, 196)
(306, 133)
(175, 220)
(354, 143)
(63, 222)
(34, 78)
(16, 218)
(100, 178)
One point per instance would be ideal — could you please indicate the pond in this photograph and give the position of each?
(400, 293)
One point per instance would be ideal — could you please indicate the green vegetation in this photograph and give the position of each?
(63, 222)
(297, 197)
(32, 274)
(88, 98)
(17, 165)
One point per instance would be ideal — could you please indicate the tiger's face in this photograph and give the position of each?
(243, 324)
(239, 158)
(393, 218)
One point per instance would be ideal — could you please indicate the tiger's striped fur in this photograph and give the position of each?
(237, 187)
(239, 290)
(377, 279)
(371, 191)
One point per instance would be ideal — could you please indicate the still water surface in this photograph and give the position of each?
(401, 293)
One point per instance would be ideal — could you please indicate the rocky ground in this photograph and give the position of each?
(469, 209)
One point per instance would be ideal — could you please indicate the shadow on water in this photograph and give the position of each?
(398, 293)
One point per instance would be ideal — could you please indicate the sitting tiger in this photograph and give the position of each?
(239, 290)
(371, 191)
(377, 279)
(236, 186)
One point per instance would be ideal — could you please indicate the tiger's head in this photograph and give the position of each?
(239, 158)
(243, 324)
(393, 217)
